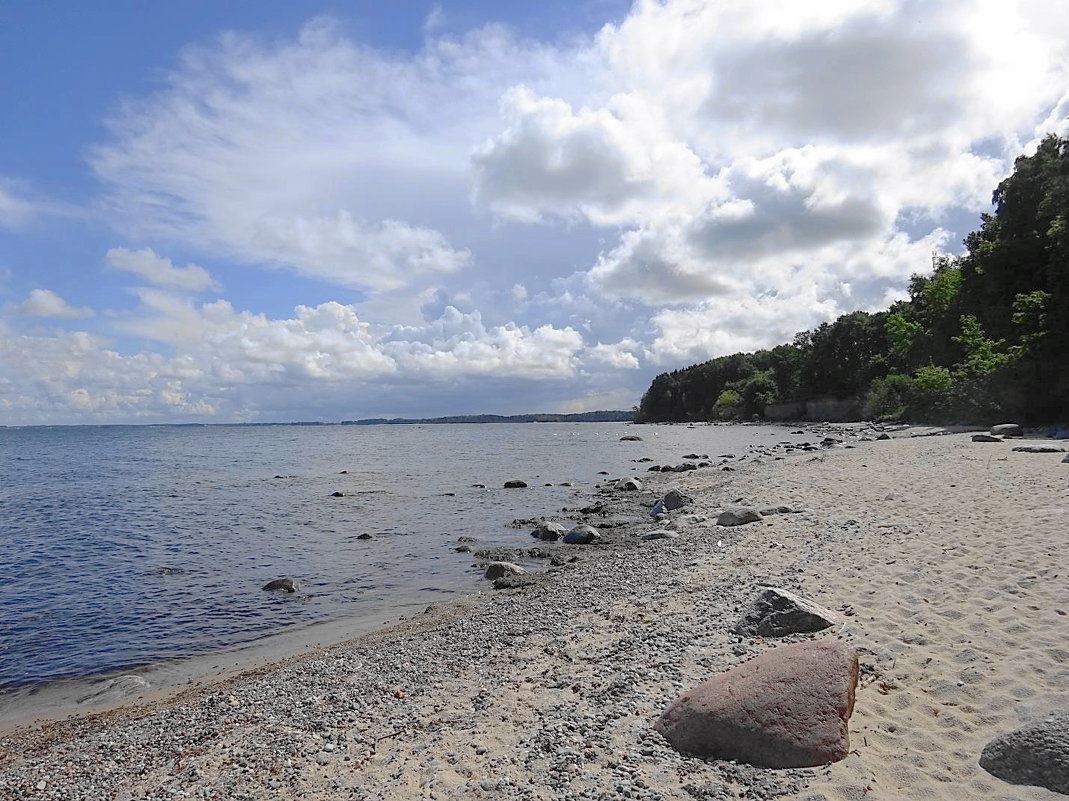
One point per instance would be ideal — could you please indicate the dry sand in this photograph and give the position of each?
(949, 558)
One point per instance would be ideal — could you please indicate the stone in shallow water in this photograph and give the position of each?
(515, 484)
(1038, 449)
(285, 583)
(496, 570)
(1036, 754)
(788, 708)
(777, 612)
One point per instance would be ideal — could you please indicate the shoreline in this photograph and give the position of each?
(550, 690)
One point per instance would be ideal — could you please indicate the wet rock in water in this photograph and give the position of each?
(115, 689)
(692, 456)
(788, 708)
(465, 539)
(777, 612)
(365, 536)
(337, 495)
(549, 531)
(631, 438)
(1006, 430)
(496, 570)
(985, 438)
(662, 534)
(515, 484)
(463, 549)
(653, 469)
(674, 499)
(478, 486)
(1038, 449)
(738, 516)
(630, 484)
(285, 584)
(567, 484)
(1035, 754)
(582, 535)
(644, 459)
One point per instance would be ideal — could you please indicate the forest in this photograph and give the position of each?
(983, 336)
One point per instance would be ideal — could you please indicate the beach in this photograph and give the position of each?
(945, 558)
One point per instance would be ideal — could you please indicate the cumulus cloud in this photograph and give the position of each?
(46, 303)
(159, 271)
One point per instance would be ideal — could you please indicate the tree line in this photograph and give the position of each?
(983, 336)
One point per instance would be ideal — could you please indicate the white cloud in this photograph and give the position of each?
(159, 271)
(15, 209)
(46, 303)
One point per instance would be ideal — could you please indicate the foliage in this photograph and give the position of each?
(982, 336)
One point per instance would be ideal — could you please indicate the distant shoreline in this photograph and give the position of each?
(600, 416)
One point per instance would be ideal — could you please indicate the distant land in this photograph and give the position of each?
(584, 417)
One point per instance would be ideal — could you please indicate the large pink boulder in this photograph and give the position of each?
(788, 708)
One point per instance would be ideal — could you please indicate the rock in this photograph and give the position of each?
(658, 509)
(549, 531)
(692, 456)
(365, 536)
(884, 436)
(337, 495)
(463, 549)
(662, 534)
(631, 438)
(674, 499)
(496, 570)
(515, 484)
(630, 484)
(1038, 449)
(1037, 754)
(115, 689)
(285, 583)
(775, 510)
(738, 516)
(776, 612)
(1006, 430)
(985, 438)
(582, 535)
(1065, 459)
(788, 708)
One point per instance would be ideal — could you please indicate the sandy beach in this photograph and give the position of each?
(947, 559)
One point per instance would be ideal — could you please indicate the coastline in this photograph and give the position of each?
(550, 690)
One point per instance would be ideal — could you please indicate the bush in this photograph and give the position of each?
(888, 398)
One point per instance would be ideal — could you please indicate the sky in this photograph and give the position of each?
(268, 210)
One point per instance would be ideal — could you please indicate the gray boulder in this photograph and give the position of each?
(738, 516)
(631, 438)
(1006, 430)
(985, 438)
(776, 612)
(674, 499)
(582, 535)
(496, 570)
(285, 584)
(1036, 754)
(788, 708)
(631, 484)
(549, 531)
(884, 436)
(1038, 449)
(515, 484)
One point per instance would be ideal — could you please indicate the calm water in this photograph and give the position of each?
(123, 546)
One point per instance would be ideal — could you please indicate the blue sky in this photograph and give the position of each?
(280, 210)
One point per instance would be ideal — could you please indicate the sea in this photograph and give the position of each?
(143, 549)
